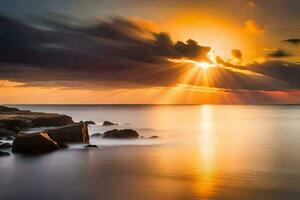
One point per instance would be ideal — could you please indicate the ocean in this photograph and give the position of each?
(217, 152)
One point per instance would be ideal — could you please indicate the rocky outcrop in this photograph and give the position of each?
(91, 146)
(153, 137)
(8, 109)
(6, 132)
(108, 123)
(8, 138)
(121, 134)
(5, 145)
(76, 133)
(97, 135)
(51, 140)
(34, 143)
(13, 120)
(90, 122)
(3, 153)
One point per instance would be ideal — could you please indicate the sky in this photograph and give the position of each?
(150, 52)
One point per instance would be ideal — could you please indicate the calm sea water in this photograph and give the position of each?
(204, 152)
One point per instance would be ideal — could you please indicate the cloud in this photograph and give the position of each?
(292, 41)
(253, 27)
(279, 53)
(251, 4)
(121, 53)
(237, 54)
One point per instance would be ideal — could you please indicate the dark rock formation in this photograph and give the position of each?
(3, 153)
(6, 132)
(90, 122)
(8, 109)
(8, 138)
(63, 145)
(121, 134)
(97, 135)
(13, 120)
(91, 146)
(51, 140)
(107, 123)
(153, 137)
(5, 145)
(34, 143)
(76, 133)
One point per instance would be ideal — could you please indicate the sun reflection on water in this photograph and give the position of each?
(205, 184)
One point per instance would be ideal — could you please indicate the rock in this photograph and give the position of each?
(8, 109)
(14, 120)
(3, 153)
(51, 120)
(34, 143)
(51, 140)
(121, 134)
(76, 133)
(107, 123)
(97, 135)
(9, 138)
(63, 145)
(6, 132)
(90, 122)
(5, 145)
(153, 137)
(91, 146)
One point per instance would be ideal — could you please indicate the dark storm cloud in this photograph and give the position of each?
(280, 53)
(292, 41)
(119, 53)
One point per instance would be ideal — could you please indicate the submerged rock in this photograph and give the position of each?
(3, 153)
(153, 137)
(5, 145)
(97, 135)
(34, 143)
(91, 146)
(108, 123)
(121, 134)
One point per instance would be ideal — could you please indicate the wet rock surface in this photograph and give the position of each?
(121, 134)
(13, 120)
(91, 146)
(108, 123)
(3, 153)
(50, 140)
(34, 143)
(97, 135)
(5, 145)
(153, 137)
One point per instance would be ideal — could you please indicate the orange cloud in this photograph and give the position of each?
(253, 27)
(251, 4)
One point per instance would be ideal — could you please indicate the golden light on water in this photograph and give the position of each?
(207, 166)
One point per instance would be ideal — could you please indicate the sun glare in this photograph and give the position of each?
(203, 65)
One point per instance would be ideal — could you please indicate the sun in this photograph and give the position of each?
(202, 65)
(205, 65)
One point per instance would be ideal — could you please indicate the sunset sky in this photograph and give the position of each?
(157, 52)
